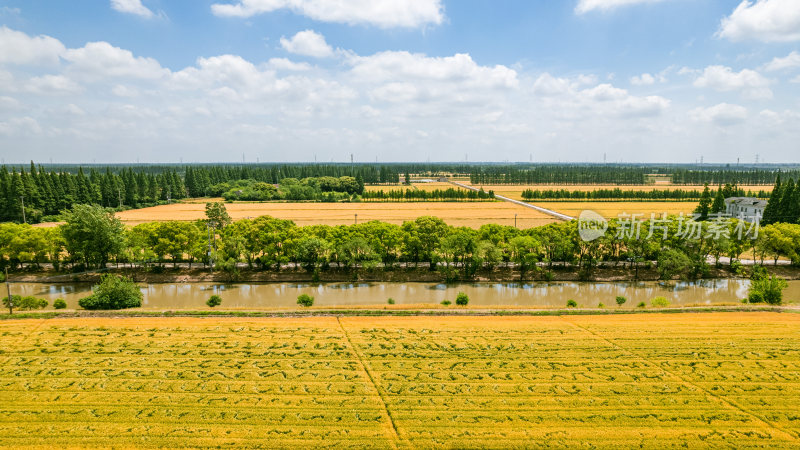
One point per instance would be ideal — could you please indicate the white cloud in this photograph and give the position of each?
(134, 7)
(52, 84)
(18, 126)
(763, 20)
(307, 43)
(287, 64)
(796, 79)
(101, 60)
(8, 103)
(603, 100)
(644, 79)
(459, 69)
(723, 114)
(380, 13)
(121, 90)
(789, 61)
(17, 47)
(750, 83)
(585, 6)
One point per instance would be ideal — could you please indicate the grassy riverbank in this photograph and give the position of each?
(400, 311)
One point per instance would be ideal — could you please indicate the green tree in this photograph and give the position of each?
(719, 202)
(672, 262)
(524, 252)
(217, 216)
(773, 204)
(312, 252)
(422, 238)
(92, 235)
(704, 207)
(768, 289)
(214, 301)
(305, 300)
(113, 292)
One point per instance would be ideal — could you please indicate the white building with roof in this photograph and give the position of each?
(746, 207)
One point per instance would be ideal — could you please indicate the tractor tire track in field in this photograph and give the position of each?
(395, 436)
(786, 434)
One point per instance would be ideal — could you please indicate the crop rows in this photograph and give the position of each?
(652, 381)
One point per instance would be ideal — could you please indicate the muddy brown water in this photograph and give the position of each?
(284, 295)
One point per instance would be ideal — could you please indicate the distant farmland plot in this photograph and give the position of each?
(611, 210)
(467, 214)
(651, 381)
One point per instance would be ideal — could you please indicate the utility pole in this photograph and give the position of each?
(515, 221)
(22, 199)
(356, 222)
(8, 289)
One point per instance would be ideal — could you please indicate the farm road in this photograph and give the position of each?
(549, 212)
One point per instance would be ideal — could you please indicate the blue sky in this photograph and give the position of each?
(396, 80)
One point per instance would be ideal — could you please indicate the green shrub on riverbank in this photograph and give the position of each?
(113, 292)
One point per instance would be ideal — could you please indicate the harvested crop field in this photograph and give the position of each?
(469, 214)
(646, 381)
(612, 210)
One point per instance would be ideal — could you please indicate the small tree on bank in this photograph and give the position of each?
(305, 300)
(113, 292)
(213, 301)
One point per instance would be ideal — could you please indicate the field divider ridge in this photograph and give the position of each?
(395, 435)
(722, 400)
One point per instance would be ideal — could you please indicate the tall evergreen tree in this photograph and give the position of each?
(719, 202)
(773, 204)
(705, 204)
(784, 213)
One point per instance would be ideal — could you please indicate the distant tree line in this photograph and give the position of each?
(721, 176)
(449, 194)
(201, 179)
(92, 238)
(35, 194)
(630, 194)
(325, 189)
(623, 174)
(558, 174)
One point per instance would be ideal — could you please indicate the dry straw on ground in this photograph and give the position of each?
(652, 381)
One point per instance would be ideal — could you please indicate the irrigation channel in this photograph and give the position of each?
(537, 295)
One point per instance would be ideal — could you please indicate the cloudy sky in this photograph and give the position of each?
(399, 80)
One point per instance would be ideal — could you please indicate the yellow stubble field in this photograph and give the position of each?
(611, 210)
(719, 380)
(469, 214)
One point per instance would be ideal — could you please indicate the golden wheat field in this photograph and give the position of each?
(469, 214)
(612, 210)
(646, 381)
